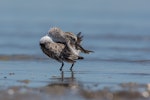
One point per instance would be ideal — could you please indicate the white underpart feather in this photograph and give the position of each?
(45, 39)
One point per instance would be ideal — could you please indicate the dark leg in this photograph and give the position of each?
(62, 76)
(71, 66)
(61, 66)
(72, 75)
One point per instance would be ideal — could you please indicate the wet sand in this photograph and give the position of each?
(76, 91)
(62, 86)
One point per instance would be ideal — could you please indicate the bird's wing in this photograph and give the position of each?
(71, 36)
(79, 38)
(78, 44)
(75, 41)
(69, 56)
(53, 50)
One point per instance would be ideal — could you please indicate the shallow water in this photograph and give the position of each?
(118, 32)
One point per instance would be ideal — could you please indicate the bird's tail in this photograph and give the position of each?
(80, 57)
(84, 50)
(78, 44)
(73, 60)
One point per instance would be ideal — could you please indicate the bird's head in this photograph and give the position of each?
(45, 39)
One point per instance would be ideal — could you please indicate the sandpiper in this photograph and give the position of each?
(63, 46)
(75, 40)
(58, 51)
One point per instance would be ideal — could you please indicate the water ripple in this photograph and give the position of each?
(25, 57)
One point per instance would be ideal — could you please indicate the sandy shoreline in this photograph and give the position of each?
(66, 91)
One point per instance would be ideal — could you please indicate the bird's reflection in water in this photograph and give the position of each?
(64, 80)
(67, 79)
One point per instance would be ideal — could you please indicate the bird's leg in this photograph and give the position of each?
(62, 75)
(71, 66)
(61, 66)
(72, 75)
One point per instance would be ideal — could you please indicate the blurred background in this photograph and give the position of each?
(22, 23)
